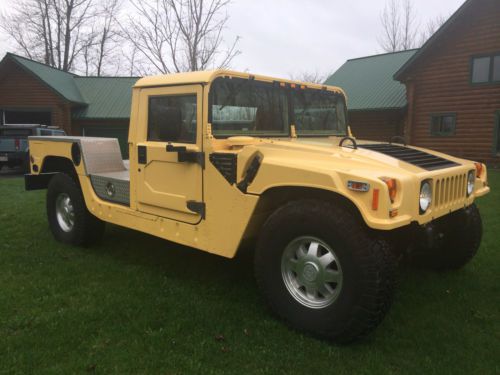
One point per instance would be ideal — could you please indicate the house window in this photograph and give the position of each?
(496, 69)
(496, 145)
(443, 125)
(486, 69)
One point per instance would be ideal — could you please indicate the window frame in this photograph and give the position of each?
(496, 134)
(441, 116)
(288, 88)
(272, 84)
(490, 81)
(173, 95)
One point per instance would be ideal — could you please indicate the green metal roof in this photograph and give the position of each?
(60, 81)
(369, 83)
(94, 97)
(107, 97)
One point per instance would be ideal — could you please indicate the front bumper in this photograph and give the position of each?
(429, 236)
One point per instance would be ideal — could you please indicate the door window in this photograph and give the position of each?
(172, 119)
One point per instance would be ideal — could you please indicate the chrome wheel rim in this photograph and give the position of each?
(311, 272)
(64, 212)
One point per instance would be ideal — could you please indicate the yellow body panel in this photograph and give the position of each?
(160, 189)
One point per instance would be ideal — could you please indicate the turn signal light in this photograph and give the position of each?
(358, 186)
(479, 169)
(392, 186)
(375, 199)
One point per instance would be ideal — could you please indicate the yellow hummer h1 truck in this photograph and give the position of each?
(220, 158)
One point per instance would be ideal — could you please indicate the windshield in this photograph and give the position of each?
(318, 112)
(246, 107)
(254, 108)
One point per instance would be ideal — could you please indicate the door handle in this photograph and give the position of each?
(184, 155)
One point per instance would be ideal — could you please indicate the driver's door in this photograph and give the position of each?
(169, 182)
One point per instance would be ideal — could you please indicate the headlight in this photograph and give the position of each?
(425, 196)
(471, 180)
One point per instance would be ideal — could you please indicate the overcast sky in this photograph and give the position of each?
(283, 37)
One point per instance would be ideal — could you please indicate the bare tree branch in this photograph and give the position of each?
(391, 23)
(180, 35)
(311, 76)
(431, 27)
(401, 29)
(71, 35)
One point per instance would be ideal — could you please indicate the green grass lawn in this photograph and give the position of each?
(137, 304)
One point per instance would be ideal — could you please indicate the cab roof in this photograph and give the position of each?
(205, 77)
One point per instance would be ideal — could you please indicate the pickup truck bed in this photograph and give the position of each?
(103, 163)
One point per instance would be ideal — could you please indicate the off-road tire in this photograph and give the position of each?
(87, 228)
(368, 267)
(462, 238)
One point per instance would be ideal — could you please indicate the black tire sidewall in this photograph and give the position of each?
(462, 239)
(331, 319)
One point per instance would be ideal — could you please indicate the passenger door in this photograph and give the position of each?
(169, 152)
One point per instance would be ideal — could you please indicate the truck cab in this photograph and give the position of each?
(219, 158)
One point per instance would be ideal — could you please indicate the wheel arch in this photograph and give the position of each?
(273, 198)
(61, 164)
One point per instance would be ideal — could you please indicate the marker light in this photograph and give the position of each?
(479, 169)
(392, 186)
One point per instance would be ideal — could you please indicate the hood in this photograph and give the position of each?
(369, 155)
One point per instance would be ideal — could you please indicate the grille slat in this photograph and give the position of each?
(418, 158)
(449, 191)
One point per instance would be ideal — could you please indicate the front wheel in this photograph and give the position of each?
(319, 270)
(69, 220)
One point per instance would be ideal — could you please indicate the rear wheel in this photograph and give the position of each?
(319, 270)
(69, 220)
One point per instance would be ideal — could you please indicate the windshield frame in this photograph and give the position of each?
(288, 88)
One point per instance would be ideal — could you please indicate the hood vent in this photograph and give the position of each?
(409, 155)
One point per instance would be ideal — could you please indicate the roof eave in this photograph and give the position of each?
(25, 69)
(398, 76)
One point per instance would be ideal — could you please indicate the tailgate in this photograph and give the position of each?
(7, 145)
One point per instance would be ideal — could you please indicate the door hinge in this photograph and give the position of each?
(198, 207)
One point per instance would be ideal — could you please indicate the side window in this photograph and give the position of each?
(45, 132)
(172, 119)
(443, 125)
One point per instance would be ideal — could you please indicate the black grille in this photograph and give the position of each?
(225, 164)
(409, 155)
